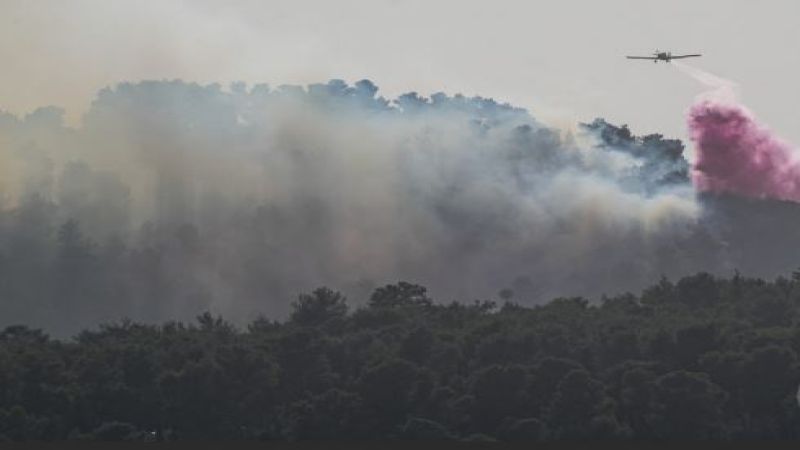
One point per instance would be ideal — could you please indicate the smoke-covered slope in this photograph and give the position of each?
(173, 198)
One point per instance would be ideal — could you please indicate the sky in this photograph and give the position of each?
(563, 60)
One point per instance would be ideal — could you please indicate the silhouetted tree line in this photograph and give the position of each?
(703, 357)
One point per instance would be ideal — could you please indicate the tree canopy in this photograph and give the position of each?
(704, 357)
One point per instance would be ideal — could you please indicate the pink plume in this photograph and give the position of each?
(735, 154)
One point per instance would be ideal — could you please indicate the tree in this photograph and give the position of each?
(417, 346)
(769, 374)
(499, 392)
(692, 341)
(320, 306)
(330, 415)
(400, 294)
(698, 290)
(75, 272)
(387, 389)
(547, 374)
(580, 409)
(688, 405)
(637, 396)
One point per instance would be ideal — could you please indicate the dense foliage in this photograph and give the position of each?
(699, 358)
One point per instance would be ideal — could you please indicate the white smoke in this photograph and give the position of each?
(290, 188)
(720, 89)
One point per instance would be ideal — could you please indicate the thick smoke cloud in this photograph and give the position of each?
(738, 155)
(173, 198)
(735, 153)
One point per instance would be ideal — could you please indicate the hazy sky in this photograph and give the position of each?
(564, 60)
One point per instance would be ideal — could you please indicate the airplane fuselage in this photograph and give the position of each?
(663, 56)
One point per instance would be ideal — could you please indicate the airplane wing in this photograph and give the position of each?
(641, 57)
(684, 56)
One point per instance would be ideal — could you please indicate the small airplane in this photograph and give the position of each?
(662, 56)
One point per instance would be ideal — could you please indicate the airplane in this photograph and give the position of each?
(662, 56)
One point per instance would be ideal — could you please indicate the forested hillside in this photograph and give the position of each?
(702, 357)
(172, 198)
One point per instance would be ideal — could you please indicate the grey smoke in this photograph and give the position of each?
(187, 197)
